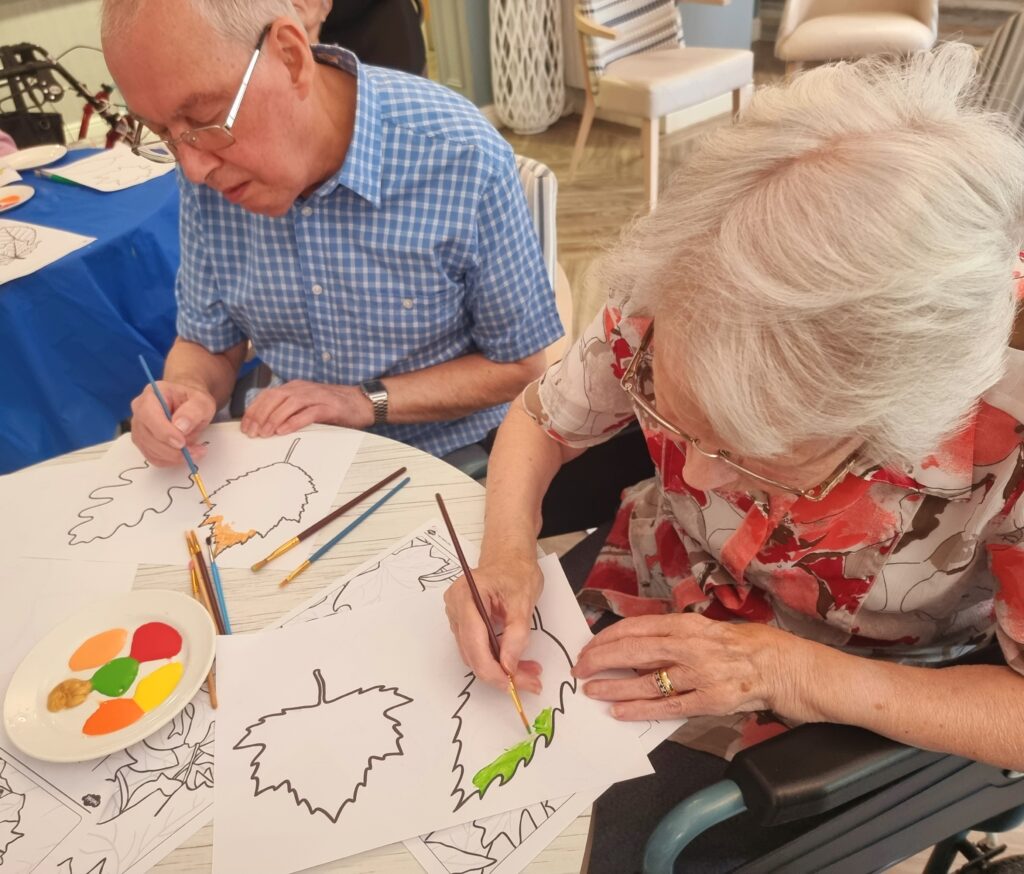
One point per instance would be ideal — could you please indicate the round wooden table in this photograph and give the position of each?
(255, 602)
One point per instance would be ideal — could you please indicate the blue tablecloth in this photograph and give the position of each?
(71, 333)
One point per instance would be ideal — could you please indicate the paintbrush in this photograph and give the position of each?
(322, 551)
(192, 466)
(204, 577)
(211, 681)
(218, 586)
(330, 517)
(478, 601)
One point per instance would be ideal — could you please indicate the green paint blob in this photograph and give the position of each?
(505, 765)
(116, 677)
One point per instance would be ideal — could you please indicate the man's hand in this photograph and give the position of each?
(289, 407)
(509, 590)
(161, 441)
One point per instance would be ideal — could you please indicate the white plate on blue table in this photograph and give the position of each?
(14, 195)
(36, 156)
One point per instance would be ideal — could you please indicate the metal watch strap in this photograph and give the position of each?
(377, 393)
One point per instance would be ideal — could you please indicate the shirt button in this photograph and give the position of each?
(307, 211)
(326, 356)
(318, 289)
(407, 303)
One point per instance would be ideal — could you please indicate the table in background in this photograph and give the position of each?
(71, 333)
(255, 602)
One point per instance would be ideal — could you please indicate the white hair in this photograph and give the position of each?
(839, 262)
(239, 21)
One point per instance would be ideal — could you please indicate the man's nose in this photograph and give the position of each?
(197, 164)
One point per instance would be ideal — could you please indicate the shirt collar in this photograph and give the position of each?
(361, 170)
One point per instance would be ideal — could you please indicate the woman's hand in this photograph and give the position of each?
(509, 588)
(716, 668)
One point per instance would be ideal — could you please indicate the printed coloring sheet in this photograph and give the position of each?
(500, 844)
(332, 740)
(263, 490)
(117, 815)
(26, 248)
(112, 170)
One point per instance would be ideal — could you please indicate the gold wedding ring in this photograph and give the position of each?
(664, 683)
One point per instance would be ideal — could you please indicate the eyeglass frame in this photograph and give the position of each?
(225, 127)
(631, 385)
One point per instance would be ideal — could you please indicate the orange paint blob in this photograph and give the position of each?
(98, 649)
(111, 716)
(153, 690)
(10, 200)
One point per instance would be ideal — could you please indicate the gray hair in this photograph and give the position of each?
(239, 21)
(839, 262)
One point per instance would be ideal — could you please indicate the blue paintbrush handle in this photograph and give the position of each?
(218, 589)
(369, 511)
(167, 412)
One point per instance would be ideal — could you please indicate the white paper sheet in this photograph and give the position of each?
(111, 170)
(349, 732)
(121, 508)
(26, 248)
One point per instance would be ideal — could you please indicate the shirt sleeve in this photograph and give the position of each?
(579, 401)
(508, 293)
(202, 316)
(1006, 561)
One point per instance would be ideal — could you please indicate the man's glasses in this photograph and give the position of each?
(209, 138)
(638, 382)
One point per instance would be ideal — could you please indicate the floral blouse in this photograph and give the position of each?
(920, 565)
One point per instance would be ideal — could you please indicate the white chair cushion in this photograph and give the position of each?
(854, 35)
(653, 84)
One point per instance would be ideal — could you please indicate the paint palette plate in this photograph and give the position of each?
(126, 666)
(36, 156)
(14, 195)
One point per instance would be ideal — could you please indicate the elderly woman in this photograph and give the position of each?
(812, 332)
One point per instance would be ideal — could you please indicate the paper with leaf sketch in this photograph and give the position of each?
(505, 843)
(111, 170)
(116, 815)
(26, 248)
(263, 490)
(352, 731)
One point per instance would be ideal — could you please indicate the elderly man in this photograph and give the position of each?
(363, 228)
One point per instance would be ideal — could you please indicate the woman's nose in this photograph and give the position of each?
(702, 472)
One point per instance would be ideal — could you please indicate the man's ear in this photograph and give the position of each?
(288, 40)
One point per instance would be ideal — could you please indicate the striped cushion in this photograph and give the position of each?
(1002, 70)
(640, 25)
(541, 189)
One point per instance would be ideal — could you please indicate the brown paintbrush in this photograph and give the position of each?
(330, 517)
(211, 681)
(478, 601)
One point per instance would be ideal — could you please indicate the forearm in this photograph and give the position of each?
(975, 711)
(457, 388)
(523, 462)
(215, 373)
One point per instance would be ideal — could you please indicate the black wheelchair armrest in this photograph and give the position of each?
(815, 768)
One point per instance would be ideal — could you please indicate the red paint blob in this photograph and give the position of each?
(155, 640)
(111, 716)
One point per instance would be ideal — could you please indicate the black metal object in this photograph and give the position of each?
(30, 85)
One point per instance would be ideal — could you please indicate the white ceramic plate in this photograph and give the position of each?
(14, 195)
(36, 156)
(58, 737)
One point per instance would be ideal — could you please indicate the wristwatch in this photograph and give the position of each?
(377, 394)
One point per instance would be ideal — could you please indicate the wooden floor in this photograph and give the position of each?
(608, 192)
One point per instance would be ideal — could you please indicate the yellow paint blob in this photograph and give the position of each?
(154, 689)
(98, 649)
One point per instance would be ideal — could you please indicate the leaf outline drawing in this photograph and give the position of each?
(322, 700)
(11, 804)
(126, 481)
(17, 242)
(461, 795)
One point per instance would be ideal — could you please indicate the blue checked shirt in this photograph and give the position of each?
(417, 251)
